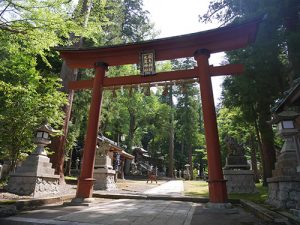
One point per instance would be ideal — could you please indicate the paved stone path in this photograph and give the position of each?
(123, 212)
(173, 187)
(135, 212)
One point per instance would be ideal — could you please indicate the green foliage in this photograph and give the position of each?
(38, 25)
(28, 29)
(200, 189)
(188, 117)
(136, 25)
(121, 22)
(71, 178)
(271, 63)
(78, 122)
(232, 123)
(134, 115)
(260, 197)
(187, 113)
(200, 159)
(7, 202)
(24, 108)
(196, 188)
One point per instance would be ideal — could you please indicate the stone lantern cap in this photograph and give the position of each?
(284, 115)
(47, 128)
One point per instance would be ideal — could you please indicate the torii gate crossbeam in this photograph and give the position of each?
(198, 45)
(159, 77)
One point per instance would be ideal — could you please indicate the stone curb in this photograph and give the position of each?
(8, 210)
(32, 203)
(267, 215)
(157, 197)
(293, 219)
(151, 197)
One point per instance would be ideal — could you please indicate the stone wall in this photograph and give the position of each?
(104, 179)
(35, 177)
(33, 186)
(284, 192)
(284, 185)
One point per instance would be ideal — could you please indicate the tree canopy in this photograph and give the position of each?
(271, 63)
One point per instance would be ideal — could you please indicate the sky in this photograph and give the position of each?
(178, 17)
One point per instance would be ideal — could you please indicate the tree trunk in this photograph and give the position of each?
(253, 159)
(171, 137)
(132, 128)
(292, 23)
(67, 75)
(59, 142)
(69, 164)
(268, 149)
(191, 161)
(258, 137)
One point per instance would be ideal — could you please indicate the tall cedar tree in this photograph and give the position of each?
(270, 63)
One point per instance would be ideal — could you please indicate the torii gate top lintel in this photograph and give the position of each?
(217, 40)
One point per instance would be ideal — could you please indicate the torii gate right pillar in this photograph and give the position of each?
(216, 182)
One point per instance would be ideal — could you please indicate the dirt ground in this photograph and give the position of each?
(134, 186)
(5, 196)
(137, 186)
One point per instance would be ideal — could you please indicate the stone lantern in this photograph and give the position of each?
(35, 177)
(180, 174)
(284, 185)
(175, 173)
(186, 172)
(108, 153)
(42, 138)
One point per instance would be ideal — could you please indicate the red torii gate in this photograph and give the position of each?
(200, 45)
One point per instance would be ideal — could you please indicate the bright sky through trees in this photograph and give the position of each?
(178, 17)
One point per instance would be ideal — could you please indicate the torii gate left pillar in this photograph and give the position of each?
(86, 181)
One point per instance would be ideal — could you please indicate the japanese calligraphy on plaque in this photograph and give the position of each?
(147, 63)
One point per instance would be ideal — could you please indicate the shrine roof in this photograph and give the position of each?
(216, 40)
(290, 98)
(114, 146)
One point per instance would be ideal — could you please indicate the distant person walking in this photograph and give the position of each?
(152, 174)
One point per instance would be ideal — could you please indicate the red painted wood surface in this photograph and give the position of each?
(216, 182)
(86, 181)
(159, 77)
(216, 40)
